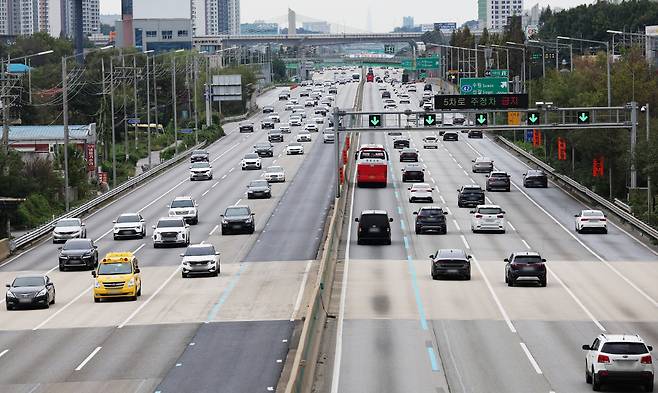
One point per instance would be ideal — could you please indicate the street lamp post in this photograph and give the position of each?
(607, 54)
(174, 98)
(148, 109)
(645, 36)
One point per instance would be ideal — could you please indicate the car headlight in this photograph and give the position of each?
(131, 282)
(249, 220)
(224, 221)
(97, 284)
(10, 294)
(86, 255)
(42, 292)
(181, 235)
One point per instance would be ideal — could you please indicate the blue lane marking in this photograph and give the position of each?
(397, 196)
(406, 244)
(414, 285)
(402, 225)
(399, 210)
(433, 361)
(227, 291)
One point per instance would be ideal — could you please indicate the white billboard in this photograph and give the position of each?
(227, 87)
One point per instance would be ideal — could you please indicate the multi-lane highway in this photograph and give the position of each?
(400, 331)
(182, 335)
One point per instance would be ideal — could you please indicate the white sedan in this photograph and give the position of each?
(430, 142)
(294, 148)
(275, 174)
(488, 218)
(318, 120)
(591, 220)
(311, 127)
(303, 136)
(275, 118)
(420, 192)
(284, 129)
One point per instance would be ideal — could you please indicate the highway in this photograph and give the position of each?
(182, 335)
(400, 331)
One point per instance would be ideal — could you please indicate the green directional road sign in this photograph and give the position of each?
(583, 117)
(481, 119)
(533, 118)
(375, 120)
(292, 66)
(422, 63)
(429, 120)
(490, 85)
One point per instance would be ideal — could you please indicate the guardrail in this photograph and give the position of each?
(638, 224)
(626, 207)
(45, 229)
(306, 355)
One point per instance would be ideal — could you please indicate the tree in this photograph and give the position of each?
(279, 70)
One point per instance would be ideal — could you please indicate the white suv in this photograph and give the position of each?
(430, 142)
(200, 258)
(251, 161)
(420, 192)
(185, 208)
(171, 230)
(488, 218)
(591, 220)
(619, 358)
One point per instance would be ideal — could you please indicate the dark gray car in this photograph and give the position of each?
(238, 219)
(259, 189)
(264, 149)
(451, 261)
(29, 291)
(81, 253)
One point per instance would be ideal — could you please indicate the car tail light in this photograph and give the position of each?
(500, 216)
(603, 359)
(646, 359)
(414, 190)
(602, 219)
(478, 216)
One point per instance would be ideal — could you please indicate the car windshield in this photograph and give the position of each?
(258, 183)
(199, 251)
(499, 174)
(262, 146)
(624, 348)
(471, 190)
(534, 173)
(68, 223)
(128, 218)
(527, 259)
(170, 224)
(430, 213)
(378, 154)
(200, 165)
(408, 150)
(236, 211)
(592, 213)
(489, 210)
(199, 152)
(421, 186)
(182, 203)
(374, 219)
(115, 268)
(482, 160)
(295, 144)
(251, 155)
(29, 282)
(77, 244)
(274, 169)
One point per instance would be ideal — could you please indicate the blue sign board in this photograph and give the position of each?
(132, 121)
(186, 131)
(528, 135)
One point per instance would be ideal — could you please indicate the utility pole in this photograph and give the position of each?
(649, 199)
(208, 95)
(148, 111)
(135, 97)
(173, 98)
(114, 144)
(29, 80)
(633, 107)
(125, 105)
(155, 95)
(187, 86)
(5, 110)
(65, 117)
(196, 112)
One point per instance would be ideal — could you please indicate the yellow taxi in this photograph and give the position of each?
(117, 275)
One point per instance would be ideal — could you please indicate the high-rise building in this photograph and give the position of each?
(56, 16)
(493, 14)
(408, 22)
(23, 17)
(91, 17)
(292, 22)
(198, 14)
(222, 17)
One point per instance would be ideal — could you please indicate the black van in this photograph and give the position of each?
(374, 226)
(428, 87)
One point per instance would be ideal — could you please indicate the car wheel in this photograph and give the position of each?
(488, 189)
(133, 298)
(143, 233)
(139, 291)
(507, 190)
(588, 376)
(183, 275)
(248, 196)
(542, 283)
(53, 301)
(510, 282)
(216, 273)
(596, 384)
(359, 241)
(47, 305)
(605, 231)
(649, 386)
(62, 268)
(114, 236)
(196, 220)
(577, 230)
(9, 308)
(418, 231)
(252, 230)
(435, 276)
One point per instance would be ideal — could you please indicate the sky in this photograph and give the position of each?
(385, 14)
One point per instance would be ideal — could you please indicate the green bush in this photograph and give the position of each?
(36, 210)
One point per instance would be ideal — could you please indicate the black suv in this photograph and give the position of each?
(264, 149)
(413, 173)
(535, 178)
(374, 225)
(470, 195)
(199, 156)
(259, 189)
(431, 218)
(78, 253)
(400, 143)
(267, 123)
(450, 136)
(408, 155)
(247, 127)
(268, 109)
(475, 134)
(451, 261)
(386, 94)
(525, 265)
(238, 219)
(498, 180)
(275, 136)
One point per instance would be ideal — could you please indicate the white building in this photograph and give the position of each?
(23, 17)
(493, 14)
(221, 17)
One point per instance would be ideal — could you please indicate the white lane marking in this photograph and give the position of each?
(488, 200)
(88, 358)
(300, 294)
(457, 225)
(525, 244)
(597, 256)
(465, 242)
(50, 318)
(147, 301)
(575, 299)
(16, 257)
(213, 230)
(511, 226)
(531, 358)
(3, 353)
(139, 248)
(231, 170)
(205, 193)
(460, 166)
(442, 199)
(465, 173)
(338, 353)
(447, 210)
(495, 297)
(238, 202)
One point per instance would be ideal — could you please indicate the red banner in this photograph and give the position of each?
(536, 138)
(102, 177)
(561, 149)
(597, 167)
(90, 155)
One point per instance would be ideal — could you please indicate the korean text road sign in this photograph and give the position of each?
(490, 85)
(513, 118)
(487, 101)
(496, 73)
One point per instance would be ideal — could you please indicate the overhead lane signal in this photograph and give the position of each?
(429, 120)
(375, 121)
(533, 118)
(481, 119)
(583, 117)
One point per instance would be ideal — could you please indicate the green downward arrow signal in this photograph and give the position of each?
(429, 120)
(481, 119)
(533, 118)
(583, 117)
(374, 121)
